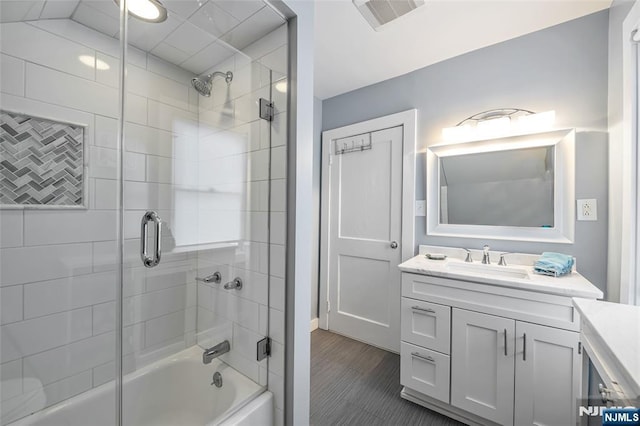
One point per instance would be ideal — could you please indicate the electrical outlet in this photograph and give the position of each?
(421, 208)
(587, 209)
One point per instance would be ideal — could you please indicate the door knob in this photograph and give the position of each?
(394, 244)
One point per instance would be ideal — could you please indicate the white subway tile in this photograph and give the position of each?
(55, 364)
(36, 335)
(259, 165)
(104, 161)
(10, 304)
(71, 226)
(169, 53)
(106, 132)
(157, 87)
(160, 279)
(276, 325)
(276, 291)
(159, 169)
(11, 75)
(169, 326)
(93, 15)
(136, 109)
(35, 45)
(169, 70)
(258, 227)
(111, 75)
(72, 30)
(48, 297)
(276, 362)
(104, 195)
(244, 341)
(277, 260)
(278, 227)
(58, 9)
(276, 60)
(240, 363)
(58, 88)
(279, 163)
(10, 379)
(276, 385)
(279, 130)
(11, 228)
(149, 196)
(239, 310)
(278, 195)
(17, 264)
(176, 120)
(148, 140)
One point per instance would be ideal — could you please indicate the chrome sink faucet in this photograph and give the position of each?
(485, 255)
(215, 352)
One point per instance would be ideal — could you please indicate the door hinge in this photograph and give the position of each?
(263, 348)
(579, 348)
(328, 306)
(266, 109)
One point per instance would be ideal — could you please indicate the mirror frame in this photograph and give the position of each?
(563, 142)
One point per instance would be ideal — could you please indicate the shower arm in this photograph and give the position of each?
(228, 76)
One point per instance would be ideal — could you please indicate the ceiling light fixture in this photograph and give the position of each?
(146, 10)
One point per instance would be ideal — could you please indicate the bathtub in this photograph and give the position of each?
(175, 391)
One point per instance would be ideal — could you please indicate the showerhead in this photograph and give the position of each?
(203, 85)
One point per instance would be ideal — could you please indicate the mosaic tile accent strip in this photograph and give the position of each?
(41, 161)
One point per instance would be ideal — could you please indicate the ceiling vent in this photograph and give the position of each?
(378, 13)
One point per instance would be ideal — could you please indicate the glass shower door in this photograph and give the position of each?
(199, 157)
(58, 211)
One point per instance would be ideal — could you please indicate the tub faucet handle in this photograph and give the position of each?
(503, 262)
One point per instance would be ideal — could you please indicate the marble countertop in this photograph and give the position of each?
(454, 267)
(618, 327)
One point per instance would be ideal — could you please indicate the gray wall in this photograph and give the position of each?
(562, 68)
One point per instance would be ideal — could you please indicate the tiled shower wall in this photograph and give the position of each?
(58, 267)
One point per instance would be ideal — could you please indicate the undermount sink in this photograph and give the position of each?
(493, 270)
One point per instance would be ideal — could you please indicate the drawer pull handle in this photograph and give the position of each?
(418, 308)
(524, 347)
(426, 358)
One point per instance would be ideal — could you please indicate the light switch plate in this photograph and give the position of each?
(421, 208)
(587, 209)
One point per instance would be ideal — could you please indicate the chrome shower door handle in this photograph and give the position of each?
(147, 260)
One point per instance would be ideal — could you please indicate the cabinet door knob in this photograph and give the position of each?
(394, 245)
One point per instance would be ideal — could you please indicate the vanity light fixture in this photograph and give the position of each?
(146, 10)
(499, 122)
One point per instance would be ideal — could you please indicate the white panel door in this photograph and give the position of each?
(548, 375)
(482, 365)
(364, 241)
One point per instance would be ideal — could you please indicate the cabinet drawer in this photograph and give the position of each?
(425, 371)
(426, 324)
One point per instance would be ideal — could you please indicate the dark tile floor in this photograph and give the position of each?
(355, 384)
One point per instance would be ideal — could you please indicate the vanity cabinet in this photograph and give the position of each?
(489, 355)
(514, 372)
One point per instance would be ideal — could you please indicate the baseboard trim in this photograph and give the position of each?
(314, 324)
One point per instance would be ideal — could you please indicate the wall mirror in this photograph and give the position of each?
(512, 188)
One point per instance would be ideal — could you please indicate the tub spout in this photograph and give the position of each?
(215, 351)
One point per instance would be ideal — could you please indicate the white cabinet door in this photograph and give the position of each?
(482, 365)
(548, 375)
(364, 240)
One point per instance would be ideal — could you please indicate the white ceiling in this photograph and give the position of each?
(349, 54)
(196, 35)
